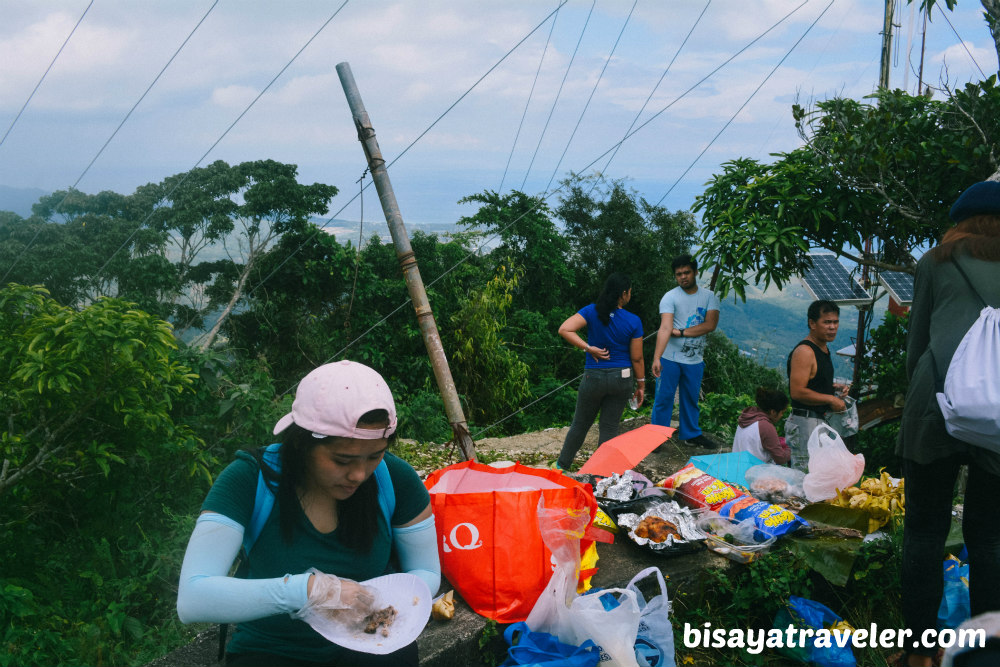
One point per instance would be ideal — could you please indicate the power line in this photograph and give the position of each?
(541, 198)
(743, 106)
(653, 91)
(228, 129)
(558, 94)
(47, 69)
(962, 42)
(594, 90)
(122, 123)
(419, 137)
(528, 102)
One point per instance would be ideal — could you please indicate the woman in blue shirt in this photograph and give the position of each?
(613, 361)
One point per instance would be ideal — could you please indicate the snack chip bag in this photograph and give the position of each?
(771, 520)
(697, 489)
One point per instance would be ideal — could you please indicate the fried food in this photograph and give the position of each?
(379, 621)
(655, 529)
(444, 609)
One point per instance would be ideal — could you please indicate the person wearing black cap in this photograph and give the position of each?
(945, 305)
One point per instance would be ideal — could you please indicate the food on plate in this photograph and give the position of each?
(379, 621)
(657, 530)
(444, 608)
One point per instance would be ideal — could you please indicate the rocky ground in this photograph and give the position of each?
(670, 457)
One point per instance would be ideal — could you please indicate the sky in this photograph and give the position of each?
(240, 80)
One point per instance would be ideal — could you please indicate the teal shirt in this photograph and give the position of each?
(233, 495)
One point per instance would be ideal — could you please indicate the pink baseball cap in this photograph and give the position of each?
(330, 400)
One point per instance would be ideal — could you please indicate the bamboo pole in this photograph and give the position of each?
(408, 263)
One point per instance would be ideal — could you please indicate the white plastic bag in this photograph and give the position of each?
(831, 465)
(971, 399)
(845, 422)
(654, 645)
(561, 530)
(610, 618)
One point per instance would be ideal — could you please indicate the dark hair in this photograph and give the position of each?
(607, 302)
(357, 516)
(820, 306)
(771, 399)
(684, 260)
(979, 236)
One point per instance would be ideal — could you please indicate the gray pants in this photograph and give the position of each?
(797, 432)
(602, 390)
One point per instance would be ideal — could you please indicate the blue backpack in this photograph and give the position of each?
(264, 500)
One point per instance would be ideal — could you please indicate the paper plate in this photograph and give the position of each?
(412, 600)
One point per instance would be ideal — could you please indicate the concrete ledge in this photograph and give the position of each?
(455, 643)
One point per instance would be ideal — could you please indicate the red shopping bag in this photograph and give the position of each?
(489, 542)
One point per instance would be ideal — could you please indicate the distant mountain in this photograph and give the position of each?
(19, 200)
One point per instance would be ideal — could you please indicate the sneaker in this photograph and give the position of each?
(702, 441)
(554, 465)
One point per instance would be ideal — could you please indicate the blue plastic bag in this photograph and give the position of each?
(955, 607)
(803, 613)
(544, 650)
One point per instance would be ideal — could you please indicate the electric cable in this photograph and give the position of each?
(541, 198)
(228, 130)
(558, 94)
(412, 143)
(528, 102)
(653, 91)
(593, 90)
(962, 42)
(122, 123)
(46, 72)
(743, 106)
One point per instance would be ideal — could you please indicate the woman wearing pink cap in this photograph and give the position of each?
(342, 505)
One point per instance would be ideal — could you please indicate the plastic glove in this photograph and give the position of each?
(340, 600)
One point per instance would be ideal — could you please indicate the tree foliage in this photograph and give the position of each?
(885, 170)
(84, 389)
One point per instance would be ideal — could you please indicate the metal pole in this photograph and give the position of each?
(883, 84)
(408, 263)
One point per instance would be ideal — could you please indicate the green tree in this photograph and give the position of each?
(82, 390)
(611, 228)
(247, 206)
(886, 171)
(486, 371)
(529, 238)
(82, 247)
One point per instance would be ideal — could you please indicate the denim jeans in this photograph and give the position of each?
(930, 489)
(688, 378)
(602, 390)
(798, 428)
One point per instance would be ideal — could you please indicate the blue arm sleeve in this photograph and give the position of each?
(207, 593)
(418, 554)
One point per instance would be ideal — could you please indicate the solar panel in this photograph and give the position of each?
(828, 279)
(899, 286)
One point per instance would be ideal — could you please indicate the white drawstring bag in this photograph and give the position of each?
(970, 401)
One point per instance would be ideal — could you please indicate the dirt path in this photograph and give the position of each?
(656, 466)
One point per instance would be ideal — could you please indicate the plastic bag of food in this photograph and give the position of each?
(773, 482)
(738, 541)
(770, 520)
(696, 488)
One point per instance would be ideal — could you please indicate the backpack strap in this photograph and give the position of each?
(264, 500)
(969, 283)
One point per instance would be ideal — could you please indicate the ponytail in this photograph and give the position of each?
(607, 302)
